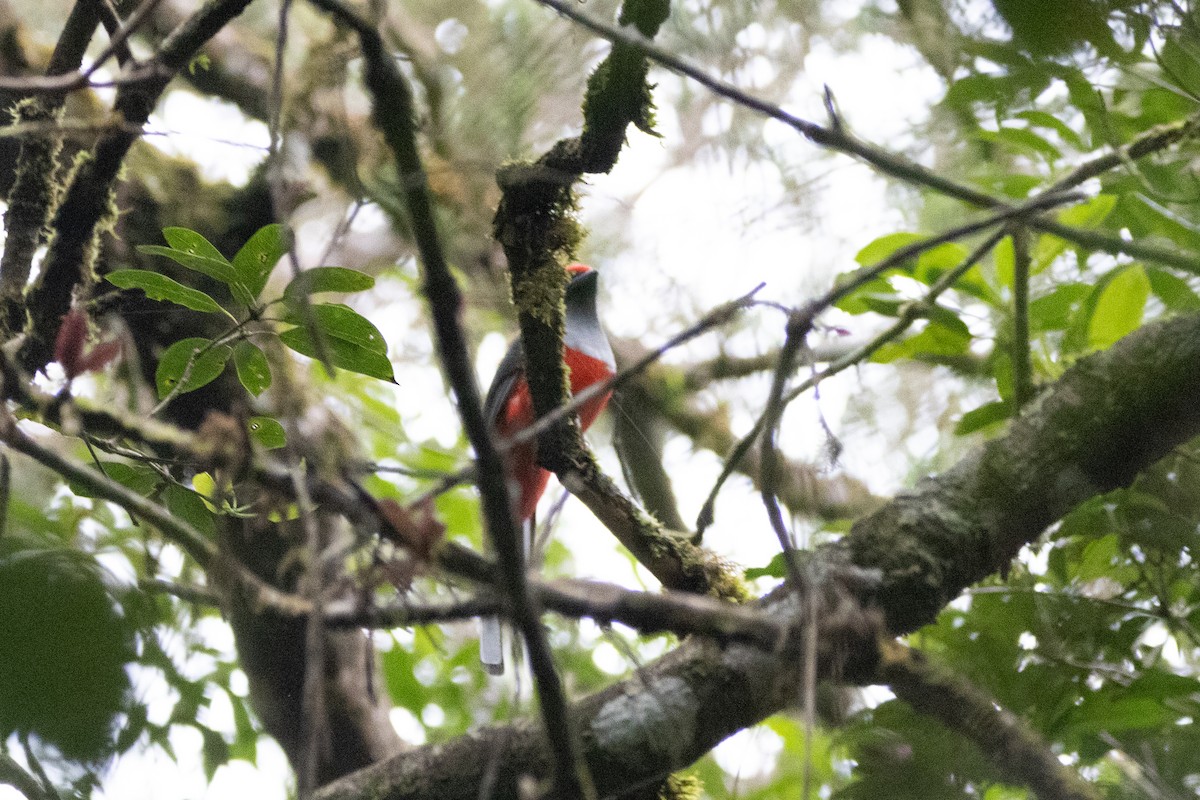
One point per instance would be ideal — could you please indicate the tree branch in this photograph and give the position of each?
(88, 200)
(393, 113)
(1018, 753)
(837, 138)
(1111, 415)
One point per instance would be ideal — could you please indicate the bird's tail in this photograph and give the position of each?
(491, 632)
(491, 645)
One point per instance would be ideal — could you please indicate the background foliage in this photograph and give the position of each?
(1090, 636)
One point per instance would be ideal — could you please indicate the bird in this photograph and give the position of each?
(508, 407)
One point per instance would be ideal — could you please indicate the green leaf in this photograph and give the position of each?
(1098, 558)
(216, 751)
(192, 243)
(1005, 258)
(885, 246)
(933, 262)
(190, 507)
(326, 279)
(267, 432)
(775, 568)
(939, 338)
(217, 270)
(1040, 119)
(1091, 213)
(344, 354)
(1180, 60)
(1175, 293)
(1053, 311)
(159, 287)
(138, 477)
(197, 358)
(193, 251)
(66, 644)
(869, 296)
(252, 368)
(1113, 715)
(1021, 139)
(342, 322)
(1119, 307)
(1085, 215)
(259, 256)
(983, 417)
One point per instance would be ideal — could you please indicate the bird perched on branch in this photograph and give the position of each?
(509, 408)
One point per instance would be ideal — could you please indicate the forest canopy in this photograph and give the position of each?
(898, 488)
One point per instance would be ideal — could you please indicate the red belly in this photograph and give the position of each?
(518, 414)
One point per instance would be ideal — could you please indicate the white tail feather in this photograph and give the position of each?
(491, 645)
(491, 634)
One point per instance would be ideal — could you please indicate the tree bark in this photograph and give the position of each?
(1109, 417)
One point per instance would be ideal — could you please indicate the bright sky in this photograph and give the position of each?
(710, 233)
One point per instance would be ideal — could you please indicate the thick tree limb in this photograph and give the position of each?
(1108, 417)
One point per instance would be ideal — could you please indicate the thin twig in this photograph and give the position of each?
(682, 613)
(837, 138)
(182, 533)
(1158, 138)
(189, 593)
(111, 21)
(798, 326)
(393, 114)
(713, 319)
(1021, 366)
(909, 314)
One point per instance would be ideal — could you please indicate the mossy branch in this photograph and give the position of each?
(87, 207)
(34, 191)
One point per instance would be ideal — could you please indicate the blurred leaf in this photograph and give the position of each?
(190, 507)
(885, 246)
(216, 751)
(1175, 293)
(138, 477)
(775, 568)
(1109, 715)
(939, 338)
(1053, 311)
(1021, 139)
(267, 432)
(160, 287)
(1119, 307)
(252, 368)
(258, 257)
(982, 417)
(65, 645)
(1089, 214)
(1180, 61)
(326, 279)
(1004, 256)
(195, 361)
(1041, 119)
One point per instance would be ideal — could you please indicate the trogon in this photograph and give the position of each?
(509, 408)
